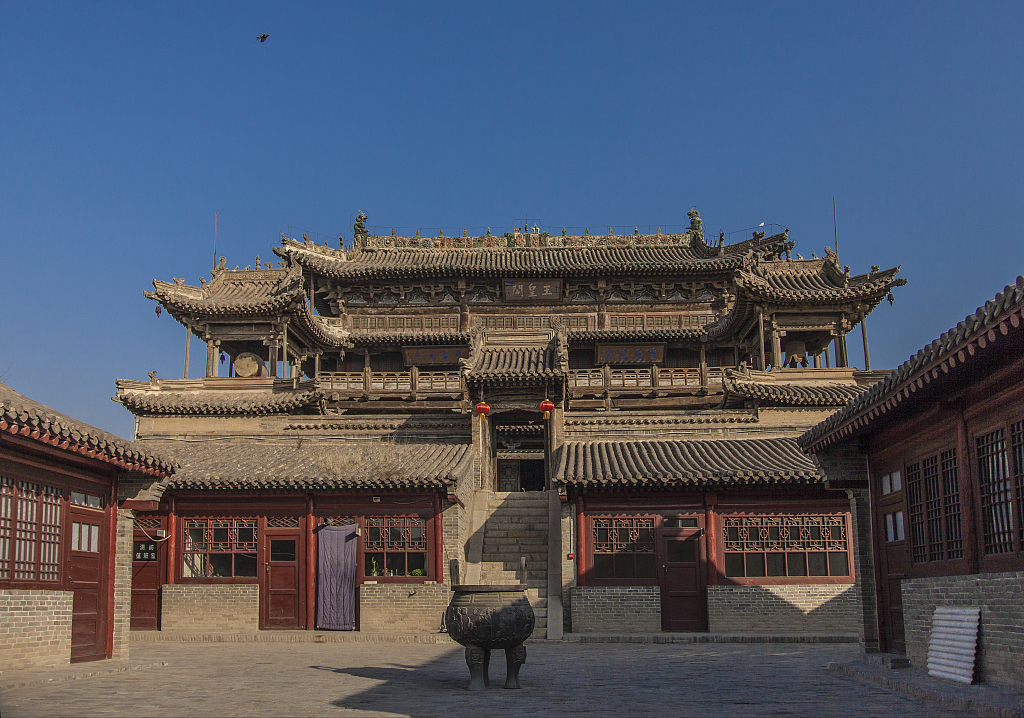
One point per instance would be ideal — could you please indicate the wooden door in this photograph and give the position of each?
(508, 474)
(895, 567)
(149, 566)
(87, 574)
(282, 594)
(681, 554)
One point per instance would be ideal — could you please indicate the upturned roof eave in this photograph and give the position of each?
(951, 354)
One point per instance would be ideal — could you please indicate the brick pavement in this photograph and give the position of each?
(361, 679)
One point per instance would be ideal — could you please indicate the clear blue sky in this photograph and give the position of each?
(125, 126)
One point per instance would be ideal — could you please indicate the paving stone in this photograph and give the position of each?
(559, 679)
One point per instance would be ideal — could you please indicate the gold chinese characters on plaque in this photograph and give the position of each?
(630, 353)
(531, 290)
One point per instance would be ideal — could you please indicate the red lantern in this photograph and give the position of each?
(483, 410)
(547, 407)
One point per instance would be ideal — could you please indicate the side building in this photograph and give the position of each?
(619, 411)
(940, 443)
(65, 544)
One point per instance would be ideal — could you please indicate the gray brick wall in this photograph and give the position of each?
(453, 526)
(123, 582)
(807, 608)
(615, 609)
(214, 608)
(35, 628)
(402, 607)
(1000, 596)
(864, 569)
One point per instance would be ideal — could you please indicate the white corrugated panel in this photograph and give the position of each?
(954, 643)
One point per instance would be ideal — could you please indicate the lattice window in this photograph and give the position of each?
(148, 522)
(915, 502)
(995, 488)
(933, 497)
(577, 321)
(623, 547)
(6, 525)
(219, 548)
(30, 525)
(518, 321)
(1017, 451)
(282, 522)
(697, 320)
(395, 546)
(951, 504)
(336, 520)
(663, 321)
(759, 546)
(622, 321)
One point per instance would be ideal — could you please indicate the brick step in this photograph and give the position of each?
(534, 559)
(519, 496)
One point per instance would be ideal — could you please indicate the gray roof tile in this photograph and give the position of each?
(683, 463)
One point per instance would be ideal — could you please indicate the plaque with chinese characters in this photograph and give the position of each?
(144, 551)
(434, 355)
(531, 290)
(630, 353)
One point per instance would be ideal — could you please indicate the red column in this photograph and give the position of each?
(711, 537)
(172, 540)
(438, 541)
(967, 517)
(581, 543)
(310, 566)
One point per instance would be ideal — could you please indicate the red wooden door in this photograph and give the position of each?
(149, 566)
(87, 574)
(282, 593)
(683, 591)
(895, 567)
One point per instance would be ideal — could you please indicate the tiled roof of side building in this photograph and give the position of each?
(314, 464)
(798, 394)
(503, 363)
(682, 463)
(21, 416)
(978, 335)
(211, 402)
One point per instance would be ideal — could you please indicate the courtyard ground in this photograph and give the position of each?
(388, 679)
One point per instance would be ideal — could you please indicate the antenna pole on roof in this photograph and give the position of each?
(835, 228)
(214, 240)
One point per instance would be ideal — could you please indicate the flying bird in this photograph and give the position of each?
(761, 225)
(263, 37)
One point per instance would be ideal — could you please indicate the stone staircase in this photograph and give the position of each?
(517, 527)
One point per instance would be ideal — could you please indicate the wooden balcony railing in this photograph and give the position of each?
(392, 382)
(644, 378)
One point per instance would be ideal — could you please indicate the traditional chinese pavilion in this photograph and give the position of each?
(619, 411)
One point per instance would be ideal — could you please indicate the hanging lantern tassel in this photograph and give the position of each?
(482, 410)
(547, 406)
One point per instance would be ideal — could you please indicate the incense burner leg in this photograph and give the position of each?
(514, 659)
(477, 659)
